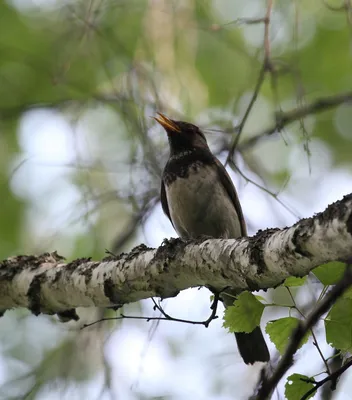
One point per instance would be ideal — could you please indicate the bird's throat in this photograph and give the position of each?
(182, 163)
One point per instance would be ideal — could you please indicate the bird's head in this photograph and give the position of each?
(182, 136)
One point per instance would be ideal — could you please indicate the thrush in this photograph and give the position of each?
(199, 198)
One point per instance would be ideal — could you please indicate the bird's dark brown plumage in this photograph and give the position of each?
(199, 198)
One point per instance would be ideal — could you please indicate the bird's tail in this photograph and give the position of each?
(252, 345)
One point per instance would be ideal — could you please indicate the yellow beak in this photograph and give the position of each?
(167, 123)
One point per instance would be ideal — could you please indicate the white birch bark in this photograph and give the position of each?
(46, 284)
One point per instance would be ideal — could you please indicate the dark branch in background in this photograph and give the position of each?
(315, 341)
(166, 317)
(135, 222)
(286, 118)
(332, 377)
(240, 127)
(282, 119)
(266, 66)
(128, 233)
(268, 384)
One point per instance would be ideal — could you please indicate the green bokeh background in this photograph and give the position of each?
(107, 66)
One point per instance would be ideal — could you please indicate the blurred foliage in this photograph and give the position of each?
(280, 332)
(293, 281)
(338, 325)
(80, 159)
(330, 273)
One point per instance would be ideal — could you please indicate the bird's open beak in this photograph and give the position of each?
(167, 123)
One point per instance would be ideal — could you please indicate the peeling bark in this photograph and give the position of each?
(45, 284)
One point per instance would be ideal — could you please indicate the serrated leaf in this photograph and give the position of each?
(280, 332)
(330, 273)
(297, 386)
(260, 298)
(338, 325)
(244, 315)
(294, 281)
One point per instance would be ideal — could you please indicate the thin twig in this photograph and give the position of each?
(266, 66)
(315, 341)
(269, 384)
(266, 34)
(240, 127)
(166, 317)
(245, 21)
(268, 191)
(335, 362)
(331, 377)
(206, 323)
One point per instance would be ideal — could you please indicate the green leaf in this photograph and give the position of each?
(280, 332)
(330, 273)
(338, 325)
(260, 298)
(297, 386)
(294, 281)
(347, 294)
(244, 315)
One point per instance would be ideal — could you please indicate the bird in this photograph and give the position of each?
(200, 200)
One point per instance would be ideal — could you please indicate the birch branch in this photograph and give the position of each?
(45, 284)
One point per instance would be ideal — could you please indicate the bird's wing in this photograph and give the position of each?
(164, 204)
(231, 191)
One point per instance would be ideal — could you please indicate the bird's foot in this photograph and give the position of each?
(203, 238)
